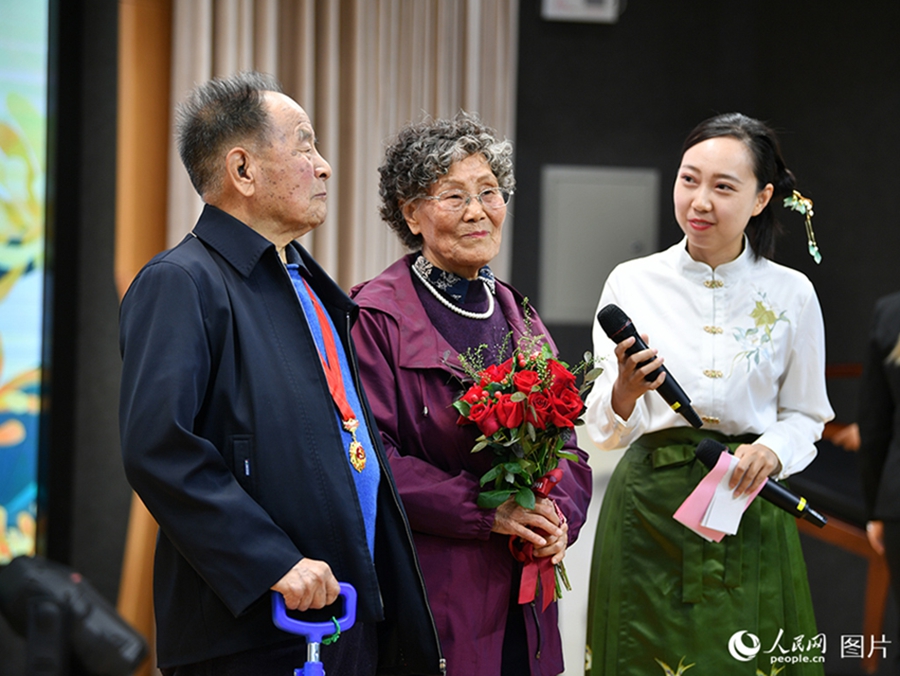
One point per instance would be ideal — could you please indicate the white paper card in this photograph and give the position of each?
(725, 511)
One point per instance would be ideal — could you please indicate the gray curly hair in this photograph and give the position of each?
(423, 152)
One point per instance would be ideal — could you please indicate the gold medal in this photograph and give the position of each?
(357, 456)
(357, 452)
(332, 368)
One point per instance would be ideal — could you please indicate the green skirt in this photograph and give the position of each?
(662, 598)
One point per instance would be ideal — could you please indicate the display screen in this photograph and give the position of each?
(23, 141)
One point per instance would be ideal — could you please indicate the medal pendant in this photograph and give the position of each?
(357, 456)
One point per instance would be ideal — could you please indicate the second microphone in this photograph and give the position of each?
(618, 327)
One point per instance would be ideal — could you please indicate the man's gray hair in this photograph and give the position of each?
(216, 116)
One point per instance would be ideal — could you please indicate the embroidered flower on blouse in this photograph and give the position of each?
(756, 342)
(450, 283)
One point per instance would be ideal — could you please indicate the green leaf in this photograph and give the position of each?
(525, 498)
(480, 446)
(491, 474)
(462, 407)
(568, 455)
(592, 375)
(532, 433)
(518, 396)
(512, 467)
(493, 499)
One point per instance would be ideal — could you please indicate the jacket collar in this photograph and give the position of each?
(232, 239)
(698, 271)
(243, 248)
(422, 345)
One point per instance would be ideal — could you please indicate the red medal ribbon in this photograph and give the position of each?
(332, 367)
(536, 568)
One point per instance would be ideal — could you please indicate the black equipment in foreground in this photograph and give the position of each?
(61, 616)
(619, 327)
(708, 452)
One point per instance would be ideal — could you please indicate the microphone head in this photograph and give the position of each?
(612, 319)
(709, 450)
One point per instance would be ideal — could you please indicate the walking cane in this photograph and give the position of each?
(315, 632)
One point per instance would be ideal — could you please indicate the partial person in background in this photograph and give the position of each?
(245, 430)
(879, 433)
(444, 190)
(745, 339)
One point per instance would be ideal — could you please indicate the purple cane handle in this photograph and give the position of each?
(315, 631)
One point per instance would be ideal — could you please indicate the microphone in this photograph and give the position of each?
(619, 327)
(708, 452)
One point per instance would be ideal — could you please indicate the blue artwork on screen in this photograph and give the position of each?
(23, 133)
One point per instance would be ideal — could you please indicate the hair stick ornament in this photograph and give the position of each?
(797, 202)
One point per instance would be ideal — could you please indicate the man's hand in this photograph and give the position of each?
(309, 584)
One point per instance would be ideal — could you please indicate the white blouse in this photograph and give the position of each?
(745, 341)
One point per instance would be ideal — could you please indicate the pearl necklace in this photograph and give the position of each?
(452, 306)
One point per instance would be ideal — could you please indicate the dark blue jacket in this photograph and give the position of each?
(230, 437)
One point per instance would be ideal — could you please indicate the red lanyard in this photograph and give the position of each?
(332, 367)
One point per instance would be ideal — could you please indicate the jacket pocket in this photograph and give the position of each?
(243, 462)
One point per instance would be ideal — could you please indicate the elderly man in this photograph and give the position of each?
(244, 428)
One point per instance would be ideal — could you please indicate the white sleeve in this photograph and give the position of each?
(803, 407)
(607, 430)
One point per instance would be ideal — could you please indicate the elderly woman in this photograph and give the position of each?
(444, 188)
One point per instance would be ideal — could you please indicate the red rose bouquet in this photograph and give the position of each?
(526, 409)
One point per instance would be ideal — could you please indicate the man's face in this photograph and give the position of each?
(291, 185)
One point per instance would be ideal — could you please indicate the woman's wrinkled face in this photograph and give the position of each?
(715, 196)
(461, 241)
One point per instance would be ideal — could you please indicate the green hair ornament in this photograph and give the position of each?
(797, 202)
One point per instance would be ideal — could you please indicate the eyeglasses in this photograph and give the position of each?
(457, 200)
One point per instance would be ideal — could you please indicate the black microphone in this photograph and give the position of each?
(619, 327)
(708, 452)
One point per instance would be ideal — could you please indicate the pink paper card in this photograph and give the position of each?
(694, 508)
(713, 502)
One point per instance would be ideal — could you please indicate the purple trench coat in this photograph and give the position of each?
(412, 376)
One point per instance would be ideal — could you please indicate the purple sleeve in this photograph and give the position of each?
(436, 502)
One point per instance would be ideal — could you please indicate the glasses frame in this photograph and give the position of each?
(506, 194)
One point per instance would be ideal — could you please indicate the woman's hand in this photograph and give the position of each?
(756, 464)
(556, 546)
(630, 384)
(513, 519)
